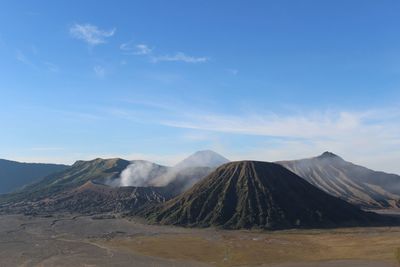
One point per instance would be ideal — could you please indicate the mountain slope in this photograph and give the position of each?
(14, 175)
(356, 184)
(76, 175)
(176, 179)
(181, 180)
(91, 198)
(248, 194)
(124, 185)
(190, 170)
(80, 189)
(204, 158)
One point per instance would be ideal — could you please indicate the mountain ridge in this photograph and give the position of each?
(15, 174)
(114, 176)
(74, 176)
(356, 184)
(247, 194)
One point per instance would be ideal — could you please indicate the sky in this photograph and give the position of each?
(158, 80)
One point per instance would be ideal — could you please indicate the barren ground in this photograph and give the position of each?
(65, 240)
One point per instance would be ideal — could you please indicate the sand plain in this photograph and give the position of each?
(72, 240)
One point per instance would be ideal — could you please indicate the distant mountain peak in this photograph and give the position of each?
(353, 183)
(202, 158)
(328, 155)
(206, 152)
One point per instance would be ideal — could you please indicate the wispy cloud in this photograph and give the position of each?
(305, 126)
(45, 148)
(180, 56)
(135, 49)
(369, 137)
(142, 49)
(51, 67)
(233, 71)
(90, 34)
(35, 63)
(23, 59)
(131, 48)
(99, 71)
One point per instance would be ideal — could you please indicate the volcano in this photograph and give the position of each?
(358, 185)
(253, 194)
(80, 189)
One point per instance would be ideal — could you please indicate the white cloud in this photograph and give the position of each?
(233, 71)
(90, 34)
(51, 66)
(304, 126)
(367, 137)
(131, 48)
(142, 49)
(23, 59)
(182, 57)
(99, 71)
(370, 138)
(136, 49)
(36, 63)
(44, 148)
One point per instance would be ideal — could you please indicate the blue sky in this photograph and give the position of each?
(158, 80)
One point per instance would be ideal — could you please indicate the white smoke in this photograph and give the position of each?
(145, 173)
(137, 174)
(165, 178)
(186, 169)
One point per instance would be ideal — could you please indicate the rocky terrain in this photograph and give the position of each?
(91, 198)
(358, 185)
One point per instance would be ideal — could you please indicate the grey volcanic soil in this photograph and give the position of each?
(66, 240)
(35, 241)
